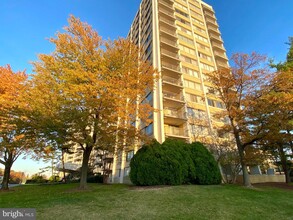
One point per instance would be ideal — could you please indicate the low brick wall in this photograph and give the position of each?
(264, 178)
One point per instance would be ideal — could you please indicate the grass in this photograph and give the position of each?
(176, 202)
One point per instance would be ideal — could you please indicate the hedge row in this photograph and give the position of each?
(174, 163)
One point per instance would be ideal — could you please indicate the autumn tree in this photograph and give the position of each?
(12, 140)
(89, 93)
(238, 88)
(278, 98)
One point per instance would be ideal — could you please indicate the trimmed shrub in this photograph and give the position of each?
(155, 164)
(206, 168)
(173, 163)
(179, 150)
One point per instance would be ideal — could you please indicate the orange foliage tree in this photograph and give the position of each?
(238, 87)
(278, 101)
(12, 140)
(89, 93)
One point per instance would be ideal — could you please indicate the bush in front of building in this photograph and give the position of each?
(173, 163)
(179, 150)
(155, 164)
(206, 167)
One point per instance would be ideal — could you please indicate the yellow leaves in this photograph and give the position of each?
(12, 85)
(81, 90)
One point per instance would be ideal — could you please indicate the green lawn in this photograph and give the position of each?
(176, 202)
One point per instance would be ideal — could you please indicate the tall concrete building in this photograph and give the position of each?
(181, 38)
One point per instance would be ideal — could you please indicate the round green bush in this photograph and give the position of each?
(206, 168)
(155, 165)
(173, 163)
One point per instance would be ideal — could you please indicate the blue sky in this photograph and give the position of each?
(25, 25)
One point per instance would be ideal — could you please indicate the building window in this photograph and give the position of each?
(190, 72)
(187, 49)
(149, 129)
(126, 171)
(207, 67)
(216, 104)
(201, 38)
(185, 39)
(186, 31)
(188, 60)
(202, 55)
(181, 12)
(192, 85)
(194, 98)
(129, 155)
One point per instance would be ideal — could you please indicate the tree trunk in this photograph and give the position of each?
(6, 176)
(246, 179)
(284, 163)
(84, 167)
(63, 166)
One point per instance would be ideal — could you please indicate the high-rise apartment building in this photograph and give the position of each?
(181, 38)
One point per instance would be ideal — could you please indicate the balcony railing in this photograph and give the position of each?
(172, 80)
(170, 42)
(216, 37)
(212, 21)
(214, 29)
(174, 113)
(167, 21)
(167, 30)
(222, 64)
(174, 96)
(166, 3)
(195, 9)
(214, 44)
(220, 54)
(170, 66)
(209, 14)
(171, 14)
(169, 53)
(174, 131)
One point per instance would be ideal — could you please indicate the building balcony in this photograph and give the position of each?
(171, 80)
(171, 67)
(216, 37)
(171, 84)
(211, 28)
(174, 96)
(209, 14)
(174, 113)
(166, 3)
(222, 64)
(170, 54)
(169, 42)
(172, 100)
(168, 31)
(211, 21)
(166, 21)
(218, 46)
(220, 55)
(174, 120)
(169, 13)
(175, 132)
